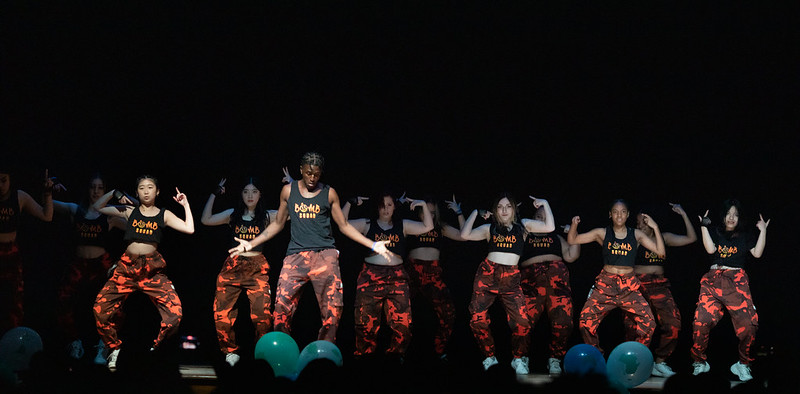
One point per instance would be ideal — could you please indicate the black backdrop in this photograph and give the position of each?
(576, 103)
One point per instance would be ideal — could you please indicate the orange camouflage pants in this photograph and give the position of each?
(83, 278)
(11, 286)
(425, 278)
(655, 289)
(137, 273)
(611, 291)
(382, 290)
(546, 288)
(321, 268)
(722, 289)
(242, 273)
(494, 281)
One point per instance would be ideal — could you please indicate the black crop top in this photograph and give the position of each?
(732, 249)
(620, 251)
(90, 232)
(507, 241)
(142, 228)
(431, 239)
(9, 213)
(247, 230)
(395, 236)
(647, 257)
(542, 244)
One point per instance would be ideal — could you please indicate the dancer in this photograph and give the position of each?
(89, 269)
(498, 276)
(311, 255)
(649, 269)
(726, 285)
(246, 271)
(545, 283)
(382, 285)
(141, 266)
(13, 203)
(616, 286)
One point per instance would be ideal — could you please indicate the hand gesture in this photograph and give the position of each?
(537, 202)
(243, 246)
(357, 200)
(286, 177)
(677, 208)
(180, 198)
(575, 221)
(125, 200)
(403, 199)
(220, 188)
(416, 203)
(485, 214)
(761, 224)
(565, 228)
(379, 247)
(51, 183)
(649, 221)
(704, 220)
(452, 204)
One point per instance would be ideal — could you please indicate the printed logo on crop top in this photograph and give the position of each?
(726, 251)
(618, 248)
(392, 238)
(306, 211)
(146, 227)
(6, 214)
(246, 232)
(429, 237)
(89, 231)
(540, 242)
(504, 241)
(651, 256)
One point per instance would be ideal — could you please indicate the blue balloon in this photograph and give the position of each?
(630, 364)
(17, 347)
(583, 359)
(316, 350)
(280, 350)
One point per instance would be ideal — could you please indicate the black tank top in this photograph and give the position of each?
(620, 251)
(505, 240)
(248, 229)
(647, 257)
(90, 232)
(397, 241)
(310, 221)
(142, 228)
(431, 239)
(9, 213)
(542, 244)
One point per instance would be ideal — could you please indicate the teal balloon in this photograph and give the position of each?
(279, 350)
(17, 347)
(630, 364)
(583, 359)
(316, 350)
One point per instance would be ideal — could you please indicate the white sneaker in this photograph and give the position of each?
(232, 358)
(700, 367)
(662, 369)
(101, 357)
(76, 349)
(112, 359)
(520, 366)
(742, 371)
(488, 362)
(554, 366)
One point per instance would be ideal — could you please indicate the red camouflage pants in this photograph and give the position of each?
(655, 289)
(724, 289)
(321, 268)
(242, 273)
(138, 273)
(546, 288)
(382, 290)
(494, 280)
(611, 291)
(83, 277)
(11, 286)
(426, 278)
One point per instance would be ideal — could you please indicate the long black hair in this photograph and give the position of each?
(259, 212)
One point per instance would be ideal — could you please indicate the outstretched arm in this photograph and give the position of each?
(350, 231)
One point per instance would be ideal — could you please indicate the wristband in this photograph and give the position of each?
(705, 221)
(218, 191)
(459, 213)
(373, 245)
(118, 194)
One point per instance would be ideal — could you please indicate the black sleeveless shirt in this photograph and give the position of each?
(90, 232)
(620, 251)
(9, 213)
(142, 228)
(542, 244)
(310, 221)
(504, 240)
(248, 229)
(397, 241)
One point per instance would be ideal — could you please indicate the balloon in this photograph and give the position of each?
(319, 349)
(630, 364)
(583, 359)
(17, 347)
(280, 351)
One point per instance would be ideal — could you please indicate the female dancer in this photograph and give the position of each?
(13, 203)
(616, 286)
(382, 285)
(141, 267)
(649, 270)
(247, 271)
(726, 285)
(90, 266)
(545, 283)
(498, 276)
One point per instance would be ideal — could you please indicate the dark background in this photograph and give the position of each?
(575, 103)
